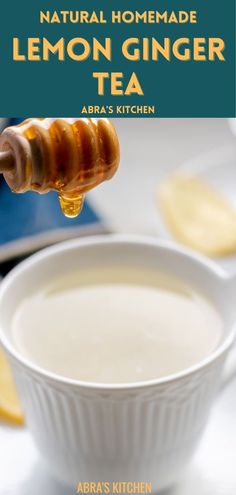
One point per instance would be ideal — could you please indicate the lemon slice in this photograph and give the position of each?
(198, 216)
(10, 408)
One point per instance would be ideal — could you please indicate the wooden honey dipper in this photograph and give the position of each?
(70, 156)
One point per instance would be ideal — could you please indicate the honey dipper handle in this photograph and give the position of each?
(6, 161)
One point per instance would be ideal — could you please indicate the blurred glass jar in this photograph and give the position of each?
(232, 124)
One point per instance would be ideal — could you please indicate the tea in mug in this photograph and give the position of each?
(116, 325)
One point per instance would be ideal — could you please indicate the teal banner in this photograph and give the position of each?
(117, 58)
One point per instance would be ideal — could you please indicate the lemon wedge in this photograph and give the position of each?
(198, 216)
(10, 409)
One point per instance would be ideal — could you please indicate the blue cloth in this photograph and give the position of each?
(29, 214)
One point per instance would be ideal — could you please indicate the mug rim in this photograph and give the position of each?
(61, 247)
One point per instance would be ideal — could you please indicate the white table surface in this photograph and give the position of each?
(150, 150)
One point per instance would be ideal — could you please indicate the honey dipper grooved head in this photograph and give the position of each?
(65, 155)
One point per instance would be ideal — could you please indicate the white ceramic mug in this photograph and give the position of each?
(145, 431)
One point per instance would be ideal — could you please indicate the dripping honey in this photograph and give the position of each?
(69, 156)
(72, 205)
